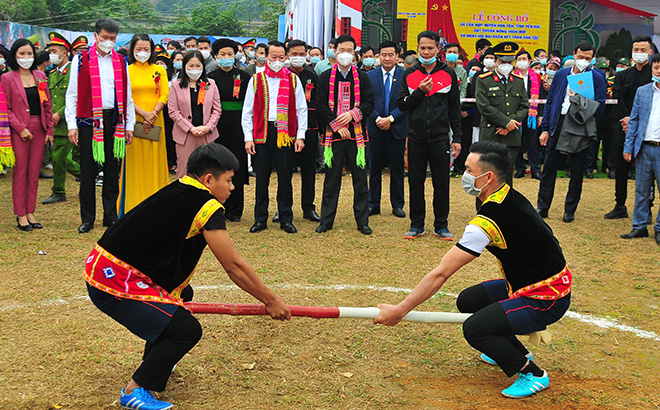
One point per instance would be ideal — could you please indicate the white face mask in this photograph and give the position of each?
(505, 69)
(345, 59)
(582, 64)
(25, 63)
(194, 74)
(297, 62)
(261, 59)
(467, 181)
(276, 65)
(142, 56)
(522, 65)
(239, 56)
(640, 58)
(489, 63)
(55, 59)
(106, 45)
(287, 63)
(2, 61)
(550, 73)
(206, 54)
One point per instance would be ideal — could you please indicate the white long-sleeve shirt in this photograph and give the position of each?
(106, 72)
(273, 88)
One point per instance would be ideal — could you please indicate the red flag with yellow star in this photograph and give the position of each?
(438, 19)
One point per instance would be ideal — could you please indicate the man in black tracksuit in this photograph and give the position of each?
(430, 92)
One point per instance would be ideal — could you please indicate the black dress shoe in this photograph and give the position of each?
(288, 227)
(85, 227)
(25, 228)
(519, 174)
(611, 175)
(258, 227)
(589, 174)
(36, 225)
(233, 218)
(276, 217)
(637, 233)
(322, 228)
(568, 217)
(312, 216)
(53, 199)
(619, 211)
(657, 238)
(43, 175)
(543, 213)
(399, 213)
(108, 224)
(365, 230)
(536, 175)
(374, 211)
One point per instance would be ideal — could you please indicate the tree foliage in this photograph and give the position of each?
(270, 12)
(208, 18)
(617, 45)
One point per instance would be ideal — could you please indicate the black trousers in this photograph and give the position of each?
(466, 143)
(623, 167)
(307, 158)
(89, 170)
(170, 332)
(530, 144)
(262, 164)
(235, 203)
(436, 155)
(381, 147)
(549, 174)
(345, 152)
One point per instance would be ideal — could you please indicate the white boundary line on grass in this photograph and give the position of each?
(594, 320)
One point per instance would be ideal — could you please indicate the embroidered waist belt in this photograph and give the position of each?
(555, 287)
(111, 275)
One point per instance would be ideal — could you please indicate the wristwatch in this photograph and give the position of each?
(390, 118)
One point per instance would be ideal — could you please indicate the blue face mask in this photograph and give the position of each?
(451, 57)
(656, 79)
(593, 61)
(543, 61)
(314, 60)
(226, 62)
(251, 55)
(368, 62)
(178, 65)
(427, 62)
(471, 73)
(331, 53)
(619, 69)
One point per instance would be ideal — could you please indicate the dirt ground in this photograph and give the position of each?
(57, 351)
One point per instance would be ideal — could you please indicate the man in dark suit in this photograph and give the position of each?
(387, 131)
(556, 109)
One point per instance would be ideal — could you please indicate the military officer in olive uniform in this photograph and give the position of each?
(58, 81)
(502, 102)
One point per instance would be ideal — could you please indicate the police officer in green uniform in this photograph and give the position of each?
(502, 102)
(58, 81)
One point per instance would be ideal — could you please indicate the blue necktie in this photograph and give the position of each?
(387, 94)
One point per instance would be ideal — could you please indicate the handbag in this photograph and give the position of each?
(152, 135)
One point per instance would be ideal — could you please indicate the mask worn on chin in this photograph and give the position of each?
(226, 62)
(276, 65)
(656, 79)
(640, 58)
(489, 63)
(368, 62)
(451, 57)
(297, 62)
(106, 45)
(55, 59)
(205, 54)
(331, 54)
(467, 181)
(427, 61)
(25, 63)
(345, 59)
(142, 56)
(177, 65)
(194, 74)
(261, 59)
(582, 64)
(522, 65)
(315, 60)
(505, 69)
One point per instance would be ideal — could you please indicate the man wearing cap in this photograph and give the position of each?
(79, 44)
(259, 63)
(503, 103)
(58, 81)
(248, 49)
(232, 84)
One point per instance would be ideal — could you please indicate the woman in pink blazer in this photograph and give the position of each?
(31, 121)
(194, 106)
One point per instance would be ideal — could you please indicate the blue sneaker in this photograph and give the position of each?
(444, 234)
(492, 362)
(142, 399)
(414, 233)
(526, 385)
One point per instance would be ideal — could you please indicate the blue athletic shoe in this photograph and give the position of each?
(142, 399)
(526, 385)
(492, 362)
(414, 233)
(444, 234)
